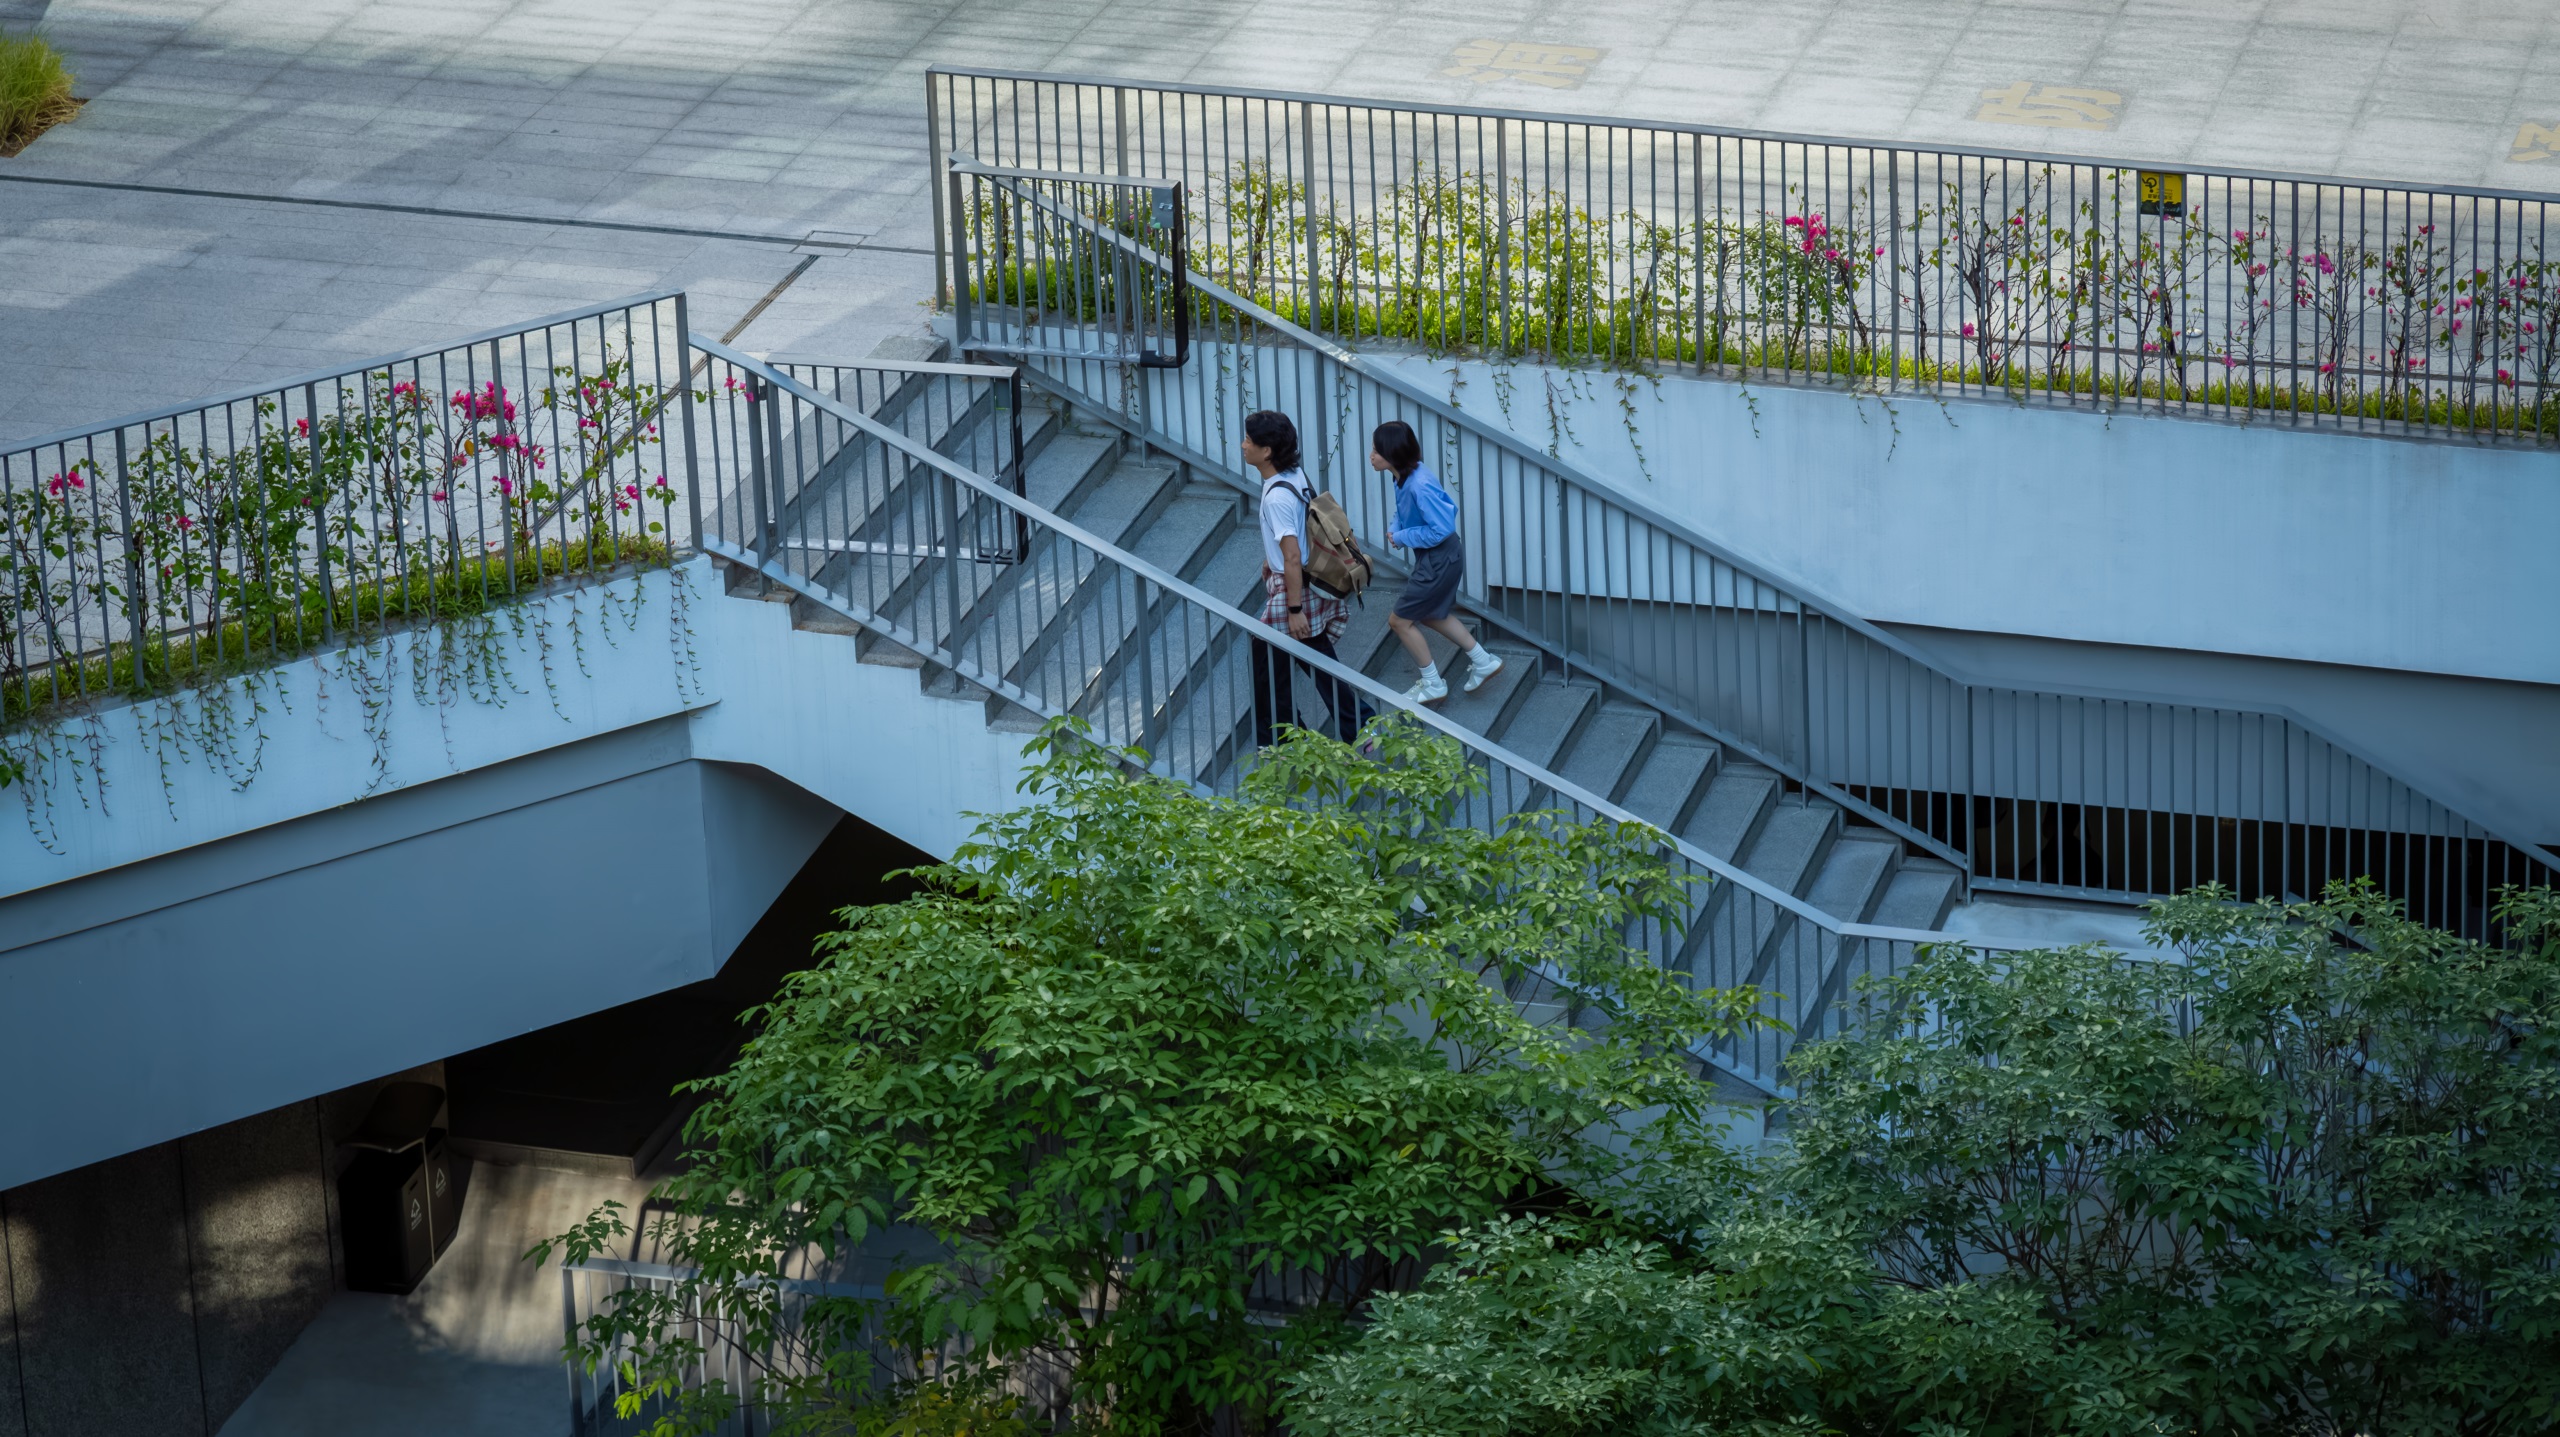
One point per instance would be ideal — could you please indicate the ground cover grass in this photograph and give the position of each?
(35, 91)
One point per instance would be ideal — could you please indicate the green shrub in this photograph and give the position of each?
(35, 90)
(1136, 1053)
(2300, 1185)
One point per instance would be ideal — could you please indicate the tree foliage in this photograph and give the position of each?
(2301, 1183)
(1176, 1086)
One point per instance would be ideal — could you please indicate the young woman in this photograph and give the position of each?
(1289, 603)
(1426, 522)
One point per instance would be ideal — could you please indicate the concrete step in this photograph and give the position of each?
(1233, 571)
(1854, 874)
(1549, 717)
(1129, 497)
(1735, 804)
(1676, 772)
(871, 648)
(1488, 707)
(1792, 843)
(1065, 467)
(1606, 753)
(1920, 895)
(1081, 647)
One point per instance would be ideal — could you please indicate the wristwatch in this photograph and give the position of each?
(1297, 608)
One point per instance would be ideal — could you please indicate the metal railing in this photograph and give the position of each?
(890, 532)
(723, 1350)
(170, 548)
(2107, 795)
(1073, 288)
(2381, 308)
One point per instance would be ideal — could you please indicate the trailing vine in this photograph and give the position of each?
(357, 523)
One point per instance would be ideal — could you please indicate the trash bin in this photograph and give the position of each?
(383, 1205)
(444, 1189)
(399, 1198)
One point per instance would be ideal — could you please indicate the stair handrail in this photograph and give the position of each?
(1257, 631)
(1803, 595)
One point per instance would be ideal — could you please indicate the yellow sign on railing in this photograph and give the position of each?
(2160, 192)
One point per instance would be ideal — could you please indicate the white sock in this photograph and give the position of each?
(1479, 656)
(1430, 672)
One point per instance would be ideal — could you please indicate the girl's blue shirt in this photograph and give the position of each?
(1425, 514)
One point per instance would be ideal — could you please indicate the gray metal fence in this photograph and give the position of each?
(727, 1353)
(2079, 793)
(168, 549)
(2382, 308)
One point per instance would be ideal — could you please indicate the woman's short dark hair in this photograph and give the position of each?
(1272, 430)
(1396, 443)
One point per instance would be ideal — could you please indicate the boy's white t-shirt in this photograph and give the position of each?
(1284, 516)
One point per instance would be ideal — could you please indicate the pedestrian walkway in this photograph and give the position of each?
(644, 142)
(476, 1349)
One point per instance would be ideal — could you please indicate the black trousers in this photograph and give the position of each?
(1275, 693)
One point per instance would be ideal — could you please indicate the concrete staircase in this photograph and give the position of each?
(1076, 638)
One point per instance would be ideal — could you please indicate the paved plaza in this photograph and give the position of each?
(262, 187)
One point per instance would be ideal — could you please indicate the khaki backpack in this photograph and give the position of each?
(1333, 561)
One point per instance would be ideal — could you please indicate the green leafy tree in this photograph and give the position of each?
(2296, 1184)
(1178, 1086)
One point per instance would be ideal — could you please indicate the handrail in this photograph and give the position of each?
(322, 376)
(2403, 310)
(667, 1272)
(1803, 594)
(1605, 498)
(1686, 127)
(1234, 618)
(1754, 928)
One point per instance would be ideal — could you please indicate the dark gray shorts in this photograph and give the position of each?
(1433, 589)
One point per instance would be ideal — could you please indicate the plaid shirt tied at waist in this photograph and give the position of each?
(1327, 616)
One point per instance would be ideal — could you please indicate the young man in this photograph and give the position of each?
(1289, 602)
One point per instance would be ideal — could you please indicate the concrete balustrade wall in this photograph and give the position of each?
(177, 963)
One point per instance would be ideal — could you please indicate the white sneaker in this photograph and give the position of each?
(1484, 665)
(1429, 689)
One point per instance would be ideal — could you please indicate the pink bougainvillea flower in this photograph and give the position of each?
(2324, 264)
(632, 490)
(490, 402)
(64, 482)
(440, 496)
(184, 522)
(506, 485)
(1968, 331)
(2506, 378)
(302, 426)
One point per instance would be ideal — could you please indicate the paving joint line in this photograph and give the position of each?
(437, 212)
